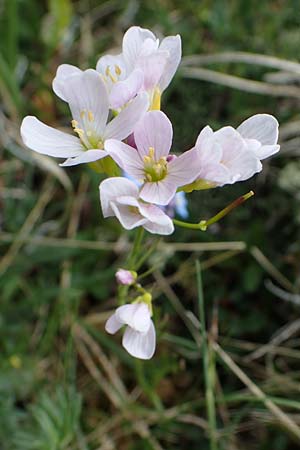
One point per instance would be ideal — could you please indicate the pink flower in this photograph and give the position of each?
(88, 101)
(126, 277)
(120, 197)
(160, 173)
(229, 155)
(139, 338)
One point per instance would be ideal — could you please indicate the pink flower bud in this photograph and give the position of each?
(126, 277)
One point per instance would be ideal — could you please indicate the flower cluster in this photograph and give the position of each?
(119, 129)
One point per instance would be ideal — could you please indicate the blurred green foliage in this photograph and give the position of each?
(45, 368)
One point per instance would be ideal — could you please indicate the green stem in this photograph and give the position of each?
(204, 224)
(136, 248)
(208, 366)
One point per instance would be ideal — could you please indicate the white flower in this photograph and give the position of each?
(139, 338)
(145, 64)
(120, 197)
(229, 155)
(87, 97)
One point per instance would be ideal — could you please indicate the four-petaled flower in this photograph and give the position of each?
(87, 97)
(160, 173)
(139, 338)
(120, 197)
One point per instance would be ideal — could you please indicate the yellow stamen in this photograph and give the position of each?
(79, 131)
(109, 74)
(82, 113)
(118, 70)
(74, 123)
(151, 152)
(155, 104)
(91, 117)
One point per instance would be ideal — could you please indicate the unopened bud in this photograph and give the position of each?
(126, 277)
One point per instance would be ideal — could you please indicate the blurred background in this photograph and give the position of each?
(65, 384)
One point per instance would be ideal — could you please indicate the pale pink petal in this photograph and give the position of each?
(123, 125)
(140, 345)
(113, 324)
(267, 150)
(158, 222)
(215, 173)
(112, 188)
(123, 91)
(47, 140)
(173, 45)
(135, 315)
(132, 43)
(154, 130)
(85, 157)
(243, 166)
(152, 66)
(262, 127)
(159, 193)
(184, 169)
(232, 144)
(85, 93)
(127, 217)
(63, 73)
(206, 133)
(126, 157)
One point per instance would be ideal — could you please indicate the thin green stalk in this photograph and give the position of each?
(208, 367)
(204, 224)
(136, 248)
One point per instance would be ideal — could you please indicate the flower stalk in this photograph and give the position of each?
(204, 224)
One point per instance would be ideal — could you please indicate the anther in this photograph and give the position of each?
(117, 70)
(91, 116)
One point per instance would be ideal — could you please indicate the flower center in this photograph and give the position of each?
(154, 170)
(113, 77)
(87, 133)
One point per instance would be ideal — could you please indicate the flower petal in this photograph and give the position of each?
(135, 315)
(154, 130)
(63, 73)
(262, 127)
(112, 188)
(113, 324)
(85, 157)
(158, 222)
(132, 43)
(123, 125)
(127, 217)
(126, 157)
(140, 345)
(160, 192)
(205, 133)
(47, 140)
(125, 90)
(173, 45)
(152, 66)
(185, 168)
(86, 92)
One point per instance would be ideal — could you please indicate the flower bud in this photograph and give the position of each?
(126, 277)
